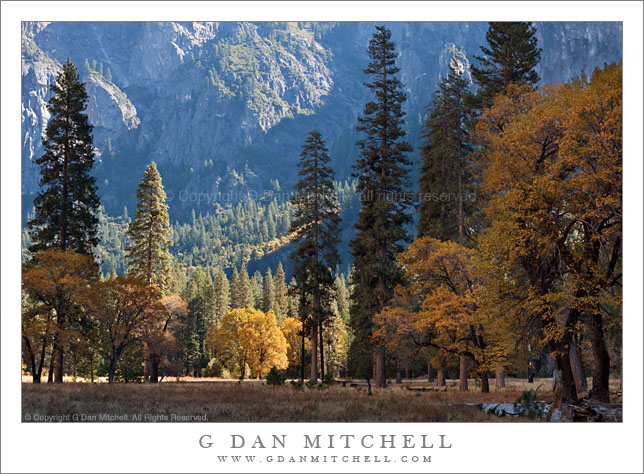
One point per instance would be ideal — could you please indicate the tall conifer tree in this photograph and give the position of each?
(510, 58)
(268, 296)
(148, 256)
(315, 225)
(240, 291)
(221, 295)
(382, 176)
(66, 208)
(257, 289)
(149, 232)
(281, 293)
(67, 205)
(445, 170)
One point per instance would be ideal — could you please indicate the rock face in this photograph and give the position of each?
(211, 101)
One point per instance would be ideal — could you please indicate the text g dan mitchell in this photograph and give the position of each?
(330, 441)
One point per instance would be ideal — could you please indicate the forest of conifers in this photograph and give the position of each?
(514, 265)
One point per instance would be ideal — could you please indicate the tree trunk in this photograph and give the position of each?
(462, 377)
(110, 371)
(440, 377)
(154, 367)
(500, 378)
(563, 384)
(578, 371)
(485, 384)
(302, 358)
(531, 369)
(314, 353)
(50, 374)
(600, 390)
(379, 367)
(58, 364)
(430, 374)
(398, 377)
(146, 363)
(321, 351)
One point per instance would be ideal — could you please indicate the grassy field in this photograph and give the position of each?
(225, 401)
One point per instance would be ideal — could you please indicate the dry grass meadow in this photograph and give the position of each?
(215, 400)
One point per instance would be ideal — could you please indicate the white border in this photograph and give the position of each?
(173, 447)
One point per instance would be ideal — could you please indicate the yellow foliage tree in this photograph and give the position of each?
(126, 311)
(440, 307)
(336, 341)
(52, 284)
(292, 329)
(553, 179)
(249, 337)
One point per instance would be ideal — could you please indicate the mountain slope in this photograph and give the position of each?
(223, 107)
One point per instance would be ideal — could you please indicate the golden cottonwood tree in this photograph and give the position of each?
(554, 184)
(53, 282)
(249, 337)
(441, 306)
(292, 331)
(126, 310)
(267, 344)
(161, 338)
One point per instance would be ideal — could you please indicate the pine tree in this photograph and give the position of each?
(234, 290)
(382, 182)
(256, 288)
(268, 296)
(446, 182)
(445, 172)
(510, 58)
(316, 228)
(293, 300)
(281, 293)
(221, 294)
(66, 207)
(342, 298)
(200, 295)
(149, 232)
(241, 294)
(176, 283)
(148, 257)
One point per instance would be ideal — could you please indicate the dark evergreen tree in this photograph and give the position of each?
(445, 182)
(221, 295)
(315, 226)
(281, 293)
(342, 298)
(293, 299)
(148, 256)
(200, 295)
(149, 232)
(257, 289)
(510, 58)
(67, 205)
(382, 176)
(235, 290)
(241, 294)
(268, 296)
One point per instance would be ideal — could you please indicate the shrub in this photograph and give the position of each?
(297, 385)
(275, 377)
(214, 369)
(527, 404)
